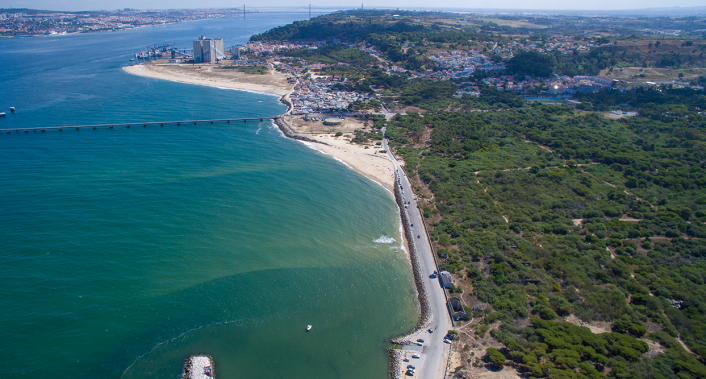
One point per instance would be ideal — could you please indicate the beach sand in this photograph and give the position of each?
(367, 159)
(209, 75)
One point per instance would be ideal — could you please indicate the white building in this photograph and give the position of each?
(208, 50)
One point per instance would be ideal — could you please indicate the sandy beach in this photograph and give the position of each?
(366, 159)
(210, 75)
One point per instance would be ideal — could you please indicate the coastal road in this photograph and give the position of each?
(434, 357)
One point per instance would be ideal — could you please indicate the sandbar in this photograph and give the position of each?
(273, 82)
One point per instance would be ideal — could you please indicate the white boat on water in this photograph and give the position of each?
(308, 328)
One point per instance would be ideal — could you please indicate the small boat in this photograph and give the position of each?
(308, 328)
(12, 109)
(2, 114)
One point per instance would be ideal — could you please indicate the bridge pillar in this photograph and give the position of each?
(94, 128)
(111, 126)
(260, 119)
(127, 126)
(229, 121)
(194, 122)
(178, 123)
(161, 124)
(78, 128)
(211, 121)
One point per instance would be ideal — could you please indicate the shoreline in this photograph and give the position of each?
(376, 167)
(396, 365)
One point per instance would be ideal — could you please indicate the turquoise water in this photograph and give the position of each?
(124, 251)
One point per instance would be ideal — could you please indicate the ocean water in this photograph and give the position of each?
(124, 251)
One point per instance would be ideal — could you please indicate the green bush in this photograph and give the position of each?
(495, 357)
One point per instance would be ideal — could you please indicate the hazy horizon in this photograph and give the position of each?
(500, 5)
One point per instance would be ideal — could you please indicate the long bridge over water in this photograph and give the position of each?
(129, 124)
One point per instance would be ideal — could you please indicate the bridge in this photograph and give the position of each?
(129, 124)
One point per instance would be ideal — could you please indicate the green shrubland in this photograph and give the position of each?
(549, 212)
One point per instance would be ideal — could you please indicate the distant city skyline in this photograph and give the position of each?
(77, 5)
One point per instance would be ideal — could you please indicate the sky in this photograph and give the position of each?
(75, 5)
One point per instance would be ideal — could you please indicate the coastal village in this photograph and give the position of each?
(494, 302)
(316, 93)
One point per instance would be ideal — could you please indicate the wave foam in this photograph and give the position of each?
(384, 239)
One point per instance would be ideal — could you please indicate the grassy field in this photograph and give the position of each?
(652, 74)
(252, 70)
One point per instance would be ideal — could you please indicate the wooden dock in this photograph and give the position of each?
(129, 124)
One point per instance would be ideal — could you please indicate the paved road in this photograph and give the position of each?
(432, 364)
